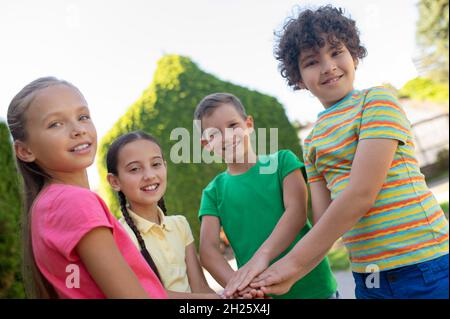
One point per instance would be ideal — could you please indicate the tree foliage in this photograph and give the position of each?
(432, 36)
(168, 103)
(10, 276)
(425, 89)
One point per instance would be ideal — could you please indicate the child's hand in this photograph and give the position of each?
(250, 293)
(242, 278)
(277, 279)
(247, 293)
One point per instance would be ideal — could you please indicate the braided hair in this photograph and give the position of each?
(111, 163)
(144, 251)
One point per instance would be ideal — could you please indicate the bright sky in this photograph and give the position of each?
(109, 49)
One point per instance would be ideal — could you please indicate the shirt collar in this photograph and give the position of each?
(144, 225)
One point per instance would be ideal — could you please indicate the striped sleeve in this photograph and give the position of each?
(308, 159)
(383, 117)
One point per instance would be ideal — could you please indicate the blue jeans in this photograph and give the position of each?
(426, 280)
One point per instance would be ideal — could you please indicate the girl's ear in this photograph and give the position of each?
(250, 124)
(113, 181)
(23, 152)
(356, 62)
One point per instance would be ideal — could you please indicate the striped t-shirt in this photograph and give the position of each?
(406, 225)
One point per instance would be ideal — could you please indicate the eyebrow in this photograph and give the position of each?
(338, 45)
(138, 162)
(61, 113)
(331, 48)
(307, 57)
(234, 120)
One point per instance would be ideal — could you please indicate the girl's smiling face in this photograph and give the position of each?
(328, 73)
(141, 173)
(61, 137)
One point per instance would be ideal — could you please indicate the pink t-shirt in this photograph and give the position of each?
(61, 216)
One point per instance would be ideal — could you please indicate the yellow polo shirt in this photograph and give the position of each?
(167, 246)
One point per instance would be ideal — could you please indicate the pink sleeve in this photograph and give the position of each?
(72, 215)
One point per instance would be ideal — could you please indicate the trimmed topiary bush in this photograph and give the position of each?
(10, 276)
(169, 102)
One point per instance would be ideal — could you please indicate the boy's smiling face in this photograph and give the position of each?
(328, 73)
(226, 133)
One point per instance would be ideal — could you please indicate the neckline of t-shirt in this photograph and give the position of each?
(337, 104)
(257, 164)
(51, 185)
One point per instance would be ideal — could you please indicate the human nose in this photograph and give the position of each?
(78, 130)
(328, 66)
(228, 136)
(148, 174)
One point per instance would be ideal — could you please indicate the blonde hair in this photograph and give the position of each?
(34, 179)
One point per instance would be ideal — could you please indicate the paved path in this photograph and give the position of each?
(346, 284)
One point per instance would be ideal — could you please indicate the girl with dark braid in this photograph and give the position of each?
(73, 247)
(137, 171)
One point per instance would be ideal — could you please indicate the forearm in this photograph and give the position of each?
(203, 289)
(200, 285)
(317, 213)
(213, 260)
(320, 200)
(284, 233)
(187, 295)
(342, 214)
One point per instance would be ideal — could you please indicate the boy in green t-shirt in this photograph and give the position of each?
(261, 202)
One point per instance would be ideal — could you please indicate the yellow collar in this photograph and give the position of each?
(144, 225)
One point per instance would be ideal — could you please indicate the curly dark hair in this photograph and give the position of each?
(307, 31)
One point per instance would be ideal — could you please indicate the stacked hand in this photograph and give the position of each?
(256, 280)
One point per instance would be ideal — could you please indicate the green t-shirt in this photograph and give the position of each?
(250, 205)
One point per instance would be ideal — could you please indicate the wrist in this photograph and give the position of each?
(263, 254)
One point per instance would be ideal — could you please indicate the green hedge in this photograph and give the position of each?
(169, 102)
(10, 277)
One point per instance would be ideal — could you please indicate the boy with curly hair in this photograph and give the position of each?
(365, 181)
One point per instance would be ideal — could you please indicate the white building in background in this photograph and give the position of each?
(430, 124)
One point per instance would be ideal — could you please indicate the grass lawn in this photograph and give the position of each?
(338, 257)
(445, 208)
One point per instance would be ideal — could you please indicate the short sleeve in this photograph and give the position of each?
(310, 166)
(288, 162)
(72, 215)
(185, 229)
(383, 117)
(208, 204)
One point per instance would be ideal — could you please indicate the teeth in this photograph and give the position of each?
(150, 187)
(81, 147)
(333, 80)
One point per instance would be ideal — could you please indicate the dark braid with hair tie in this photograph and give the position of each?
(144, 251)
(162, 205)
